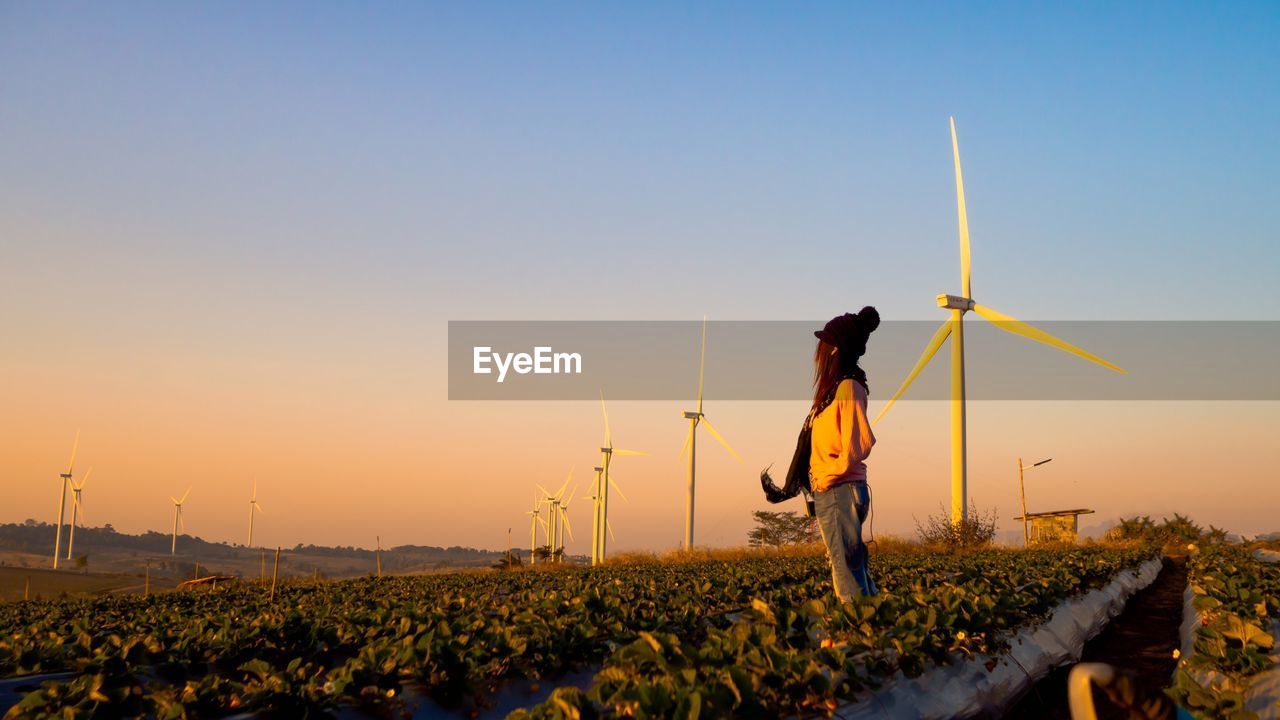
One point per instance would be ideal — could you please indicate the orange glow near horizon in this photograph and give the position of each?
(342, 455)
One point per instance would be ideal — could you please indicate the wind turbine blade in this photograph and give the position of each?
(608, 437)
(84, 479)
(609, 525)
(545, 492)
(74, 447)
(688, 438)
(567, 525)
(255, 491)
(628, 452)
(565, 503)
(1017, 327)
(257, 507)
(174, 499)
(184, 495)
(716, 434)
(702, 364)
(182, 524)
(935, 342)
(963, 215)
(618, 490)
(560, 493)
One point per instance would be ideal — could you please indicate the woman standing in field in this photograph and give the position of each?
(841, 441)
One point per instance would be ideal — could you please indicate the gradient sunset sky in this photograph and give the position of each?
(232, 235)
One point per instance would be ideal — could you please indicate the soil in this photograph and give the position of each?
(1140, 640)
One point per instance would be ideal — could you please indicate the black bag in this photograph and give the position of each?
(797, 479)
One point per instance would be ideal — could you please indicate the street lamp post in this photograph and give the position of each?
(1022, 488)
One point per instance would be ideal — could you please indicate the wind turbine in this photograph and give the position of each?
(953, 328)
(77, 509)
(595, 517)
(62, 500)
(253, 507)
(608, 451)
(535, 517)
(691, 441)
(595, 520)
(562, 507)
(549, 525)
(554, 515)
(177, 520)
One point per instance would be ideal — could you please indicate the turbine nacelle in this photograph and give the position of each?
(955, 302)
(692, 415)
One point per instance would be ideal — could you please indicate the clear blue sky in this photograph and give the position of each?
(510, 160)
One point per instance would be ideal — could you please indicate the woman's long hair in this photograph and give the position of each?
(829, 368)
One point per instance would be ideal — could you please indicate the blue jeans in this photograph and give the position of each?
(841, 525)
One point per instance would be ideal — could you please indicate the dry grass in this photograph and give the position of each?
(883, 544)
(46, 583)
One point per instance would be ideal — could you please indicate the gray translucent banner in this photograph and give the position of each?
(773, 360)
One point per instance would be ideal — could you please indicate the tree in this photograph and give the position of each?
(775, 529)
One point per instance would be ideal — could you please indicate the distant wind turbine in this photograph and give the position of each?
(254, 507)
(602, 503)
(555, 516)
(595, 520)
(535, 517)
(691, 442)
(595, 517)
(62, 500)
(177, 520)
(954, 328)
(565, 526)
(77, 509)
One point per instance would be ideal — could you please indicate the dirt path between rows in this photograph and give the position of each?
(1141, 640)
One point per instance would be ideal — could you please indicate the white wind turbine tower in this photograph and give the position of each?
(595, 516)
(253, 507)
(177, 520)
(77, 510)
(62, 500)
(953, 327)
(554, 516)
(535, 517)
(602, 504)
(691, 442)
(562, 506)
(549, 525)
(595, 519)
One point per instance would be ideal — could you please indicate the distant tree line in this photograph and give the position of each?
(37, 538)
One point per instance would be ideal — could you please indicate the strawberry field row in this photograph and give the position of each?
(317, 646)
(808, 658)
(1236, 598)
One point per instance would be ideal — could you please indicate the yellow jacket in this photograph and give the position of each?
(841, 439)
